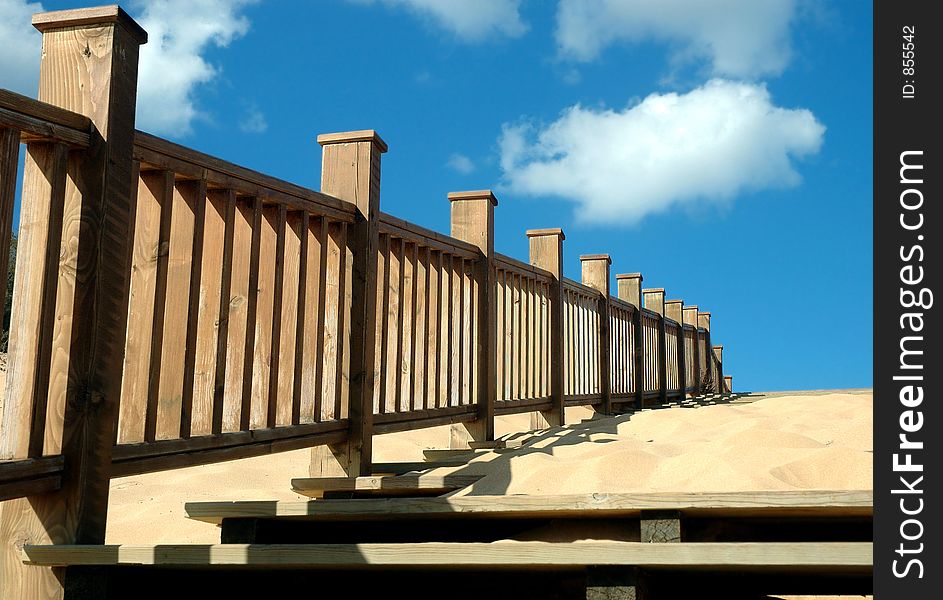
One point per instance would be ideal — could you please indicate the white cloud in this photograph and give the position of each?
(705, 146)
(470, 20)
(740, 38)
(461, 163)
(254, 121)
(173, 64)
(22, 44)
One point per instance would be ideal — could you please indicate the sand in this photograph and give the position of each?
(779, 443)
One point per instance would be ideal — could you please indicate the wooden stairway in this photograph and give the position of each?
(652, 545)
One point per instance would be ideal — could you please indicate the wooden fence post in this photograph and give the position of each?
(351, 171)
(70, 313)
(655, 300)
(704, 322)
(630, 290)
(719, 356)
(674, 309)
(728, 383)
(546, 252)
(473, 222)
(595, 270)
(690, 318)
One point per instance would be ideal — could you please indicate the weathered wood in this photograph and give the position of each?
(596, 275)
(714, 556)
(101, 55)
(399, 484)
(249, 378)
(546, 252)
(743, 504)
(472, 221)
(201, 419)
(351, 171)
(616, 583)
(660, 526)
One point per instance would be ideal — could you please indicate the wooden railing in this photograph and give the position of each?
(173, 309)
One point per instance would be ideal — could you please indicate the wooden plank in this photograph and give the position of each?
(344, 325)
(31, 129)
(30, 487)
(204, 414)
(224, 203)
(394, 324)
(275, 324)
(146, 252)
(402, 484)
(407, 314)
(318, 251)
(794, 556)
(383, 320)
(426, 237)
(261, 371)
(287, 321)
(238, 312)
(9, 165)
(800, 503)
(302, 298)
(431, 365)
(420, 307)
(54, 336)
(333, 315)
(176, 314)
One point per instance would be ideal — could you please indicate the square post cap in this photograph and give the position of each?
(605, 257)
(98, 15)
(347, 137)
(629, 276)
(542, 232)
(474, 195)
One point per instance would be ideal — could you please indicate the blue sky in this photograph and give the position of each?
(721, 148)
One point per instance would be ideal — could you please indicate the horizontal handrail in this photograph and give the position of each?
(426, 237)
(522, 268)
(162, 154)
(35, 119)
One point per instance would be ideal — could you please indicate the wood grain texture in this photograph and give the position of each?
(794, 556)
(151, 194)
(176, 312)
(796, 503)
(208, 317)
(91, 70)
(238, 314)
(405, 484)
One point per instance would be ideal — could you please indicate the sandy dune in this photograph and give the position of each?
(777, 443)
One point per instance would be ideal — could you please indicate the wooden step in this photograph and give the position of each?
(401, 468)
(315, 487)
(804, 503)
(791, 556)
(440, 454)
(516, 442)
